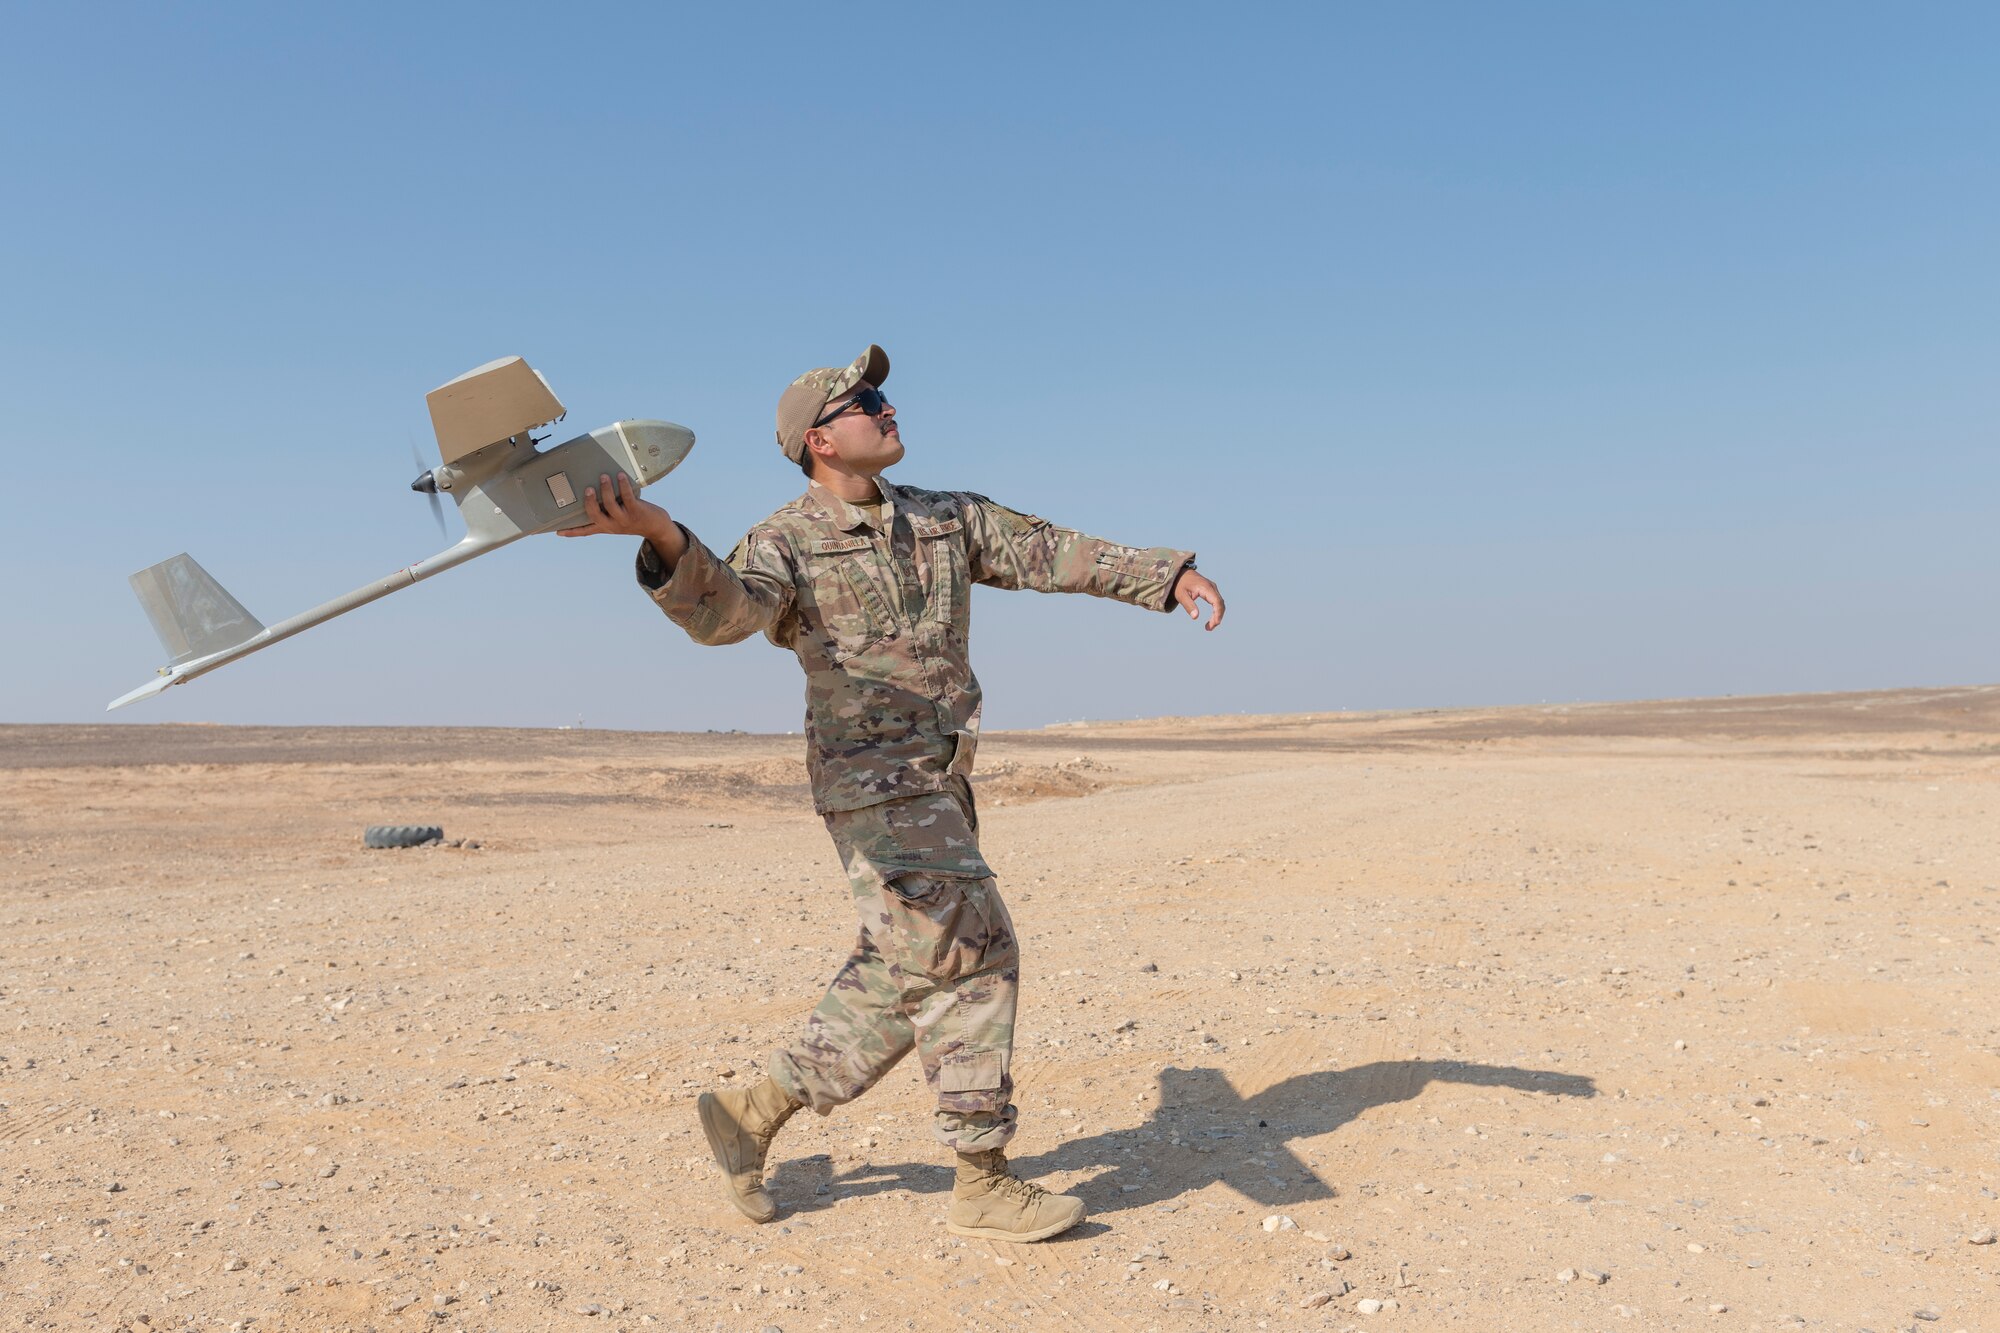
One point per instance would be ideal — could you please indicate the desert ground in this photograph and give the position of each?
(1668, 1015)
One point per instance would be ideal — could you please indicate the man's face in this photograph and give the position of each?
(865, 444)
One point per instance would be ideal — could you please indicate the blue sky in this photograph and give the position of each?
(1486, 354)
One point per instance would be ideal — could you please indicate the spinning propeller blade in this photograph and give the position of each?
(437, 506)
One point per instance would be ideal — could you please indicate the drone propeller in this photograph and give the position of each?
(427, 483)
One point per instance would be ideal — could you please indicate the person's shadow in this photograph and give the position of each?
(1220, 1136)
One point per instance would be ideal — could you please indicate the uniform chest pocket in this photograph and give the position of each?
(851, 610)
(946, 572)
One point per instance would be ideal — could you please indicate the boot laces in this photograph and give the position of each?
(1027, 1191)
(763, 1138)
(765, 1135)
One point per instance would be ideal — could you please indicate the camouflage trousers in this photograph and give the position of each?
(936, 968)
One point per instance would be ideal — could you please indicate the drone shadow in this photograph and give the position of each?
(1220, 1130)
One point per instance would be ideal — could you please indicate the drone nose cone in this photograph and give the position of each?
(427, 483)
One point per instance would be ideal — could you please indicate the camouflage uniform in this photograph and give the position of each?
(879, 620)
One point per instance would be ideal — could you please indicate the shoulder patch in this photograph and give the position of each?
(767, 548)
(1010, 518)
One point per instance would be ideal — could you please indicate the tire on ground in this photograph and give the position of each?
(401, 835)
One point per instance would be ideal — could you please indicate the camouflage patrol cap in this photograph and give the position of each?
(802, 403)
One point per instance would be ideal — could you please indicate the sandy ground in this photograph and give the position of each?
(1657, 1015)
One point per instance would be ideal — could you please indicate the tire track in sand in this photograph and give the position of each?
(1031, 1278)
(15, 1126)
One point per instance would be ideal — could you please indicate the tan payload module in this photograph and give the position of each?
(490, 403)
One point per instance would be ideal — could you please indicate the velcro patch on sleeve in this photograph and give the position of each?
(1128, 559)
(1012, 520)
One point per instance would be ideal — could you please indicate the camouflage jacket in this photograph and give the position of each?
(880, 621)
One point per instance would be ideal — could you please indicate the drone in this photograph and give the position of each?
(489, 464)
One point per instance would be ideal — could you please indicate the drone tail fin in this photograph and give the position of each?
(192, 613)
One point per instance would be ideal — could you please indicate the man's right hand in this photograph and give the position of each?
(617, 509)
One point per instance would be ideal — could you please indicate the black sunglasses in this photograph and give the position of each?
(868, 398)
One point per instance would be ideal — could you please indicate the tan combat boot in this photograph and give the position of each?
(990, 1203)
(740, 1127)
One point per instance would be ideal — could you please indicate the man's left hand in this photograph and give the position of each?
(1192, 588)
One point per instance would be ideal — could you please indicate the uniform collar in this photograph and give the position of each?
(844, 515)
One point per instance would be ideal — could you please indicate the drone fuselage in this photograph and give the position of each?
(511, 489)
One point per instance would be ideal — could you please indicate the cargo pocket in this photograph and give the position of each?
(973, 1071)
(949, 928)
(921, 835)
